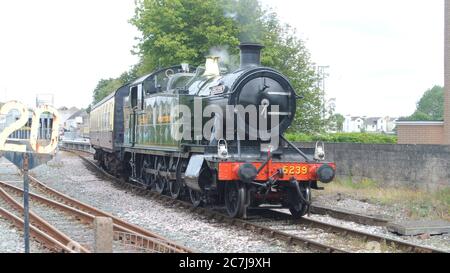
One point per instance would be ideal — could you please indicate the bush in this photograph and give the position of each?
(344, 138)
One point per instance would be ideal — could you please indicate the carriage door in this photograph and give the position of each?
(136, 105)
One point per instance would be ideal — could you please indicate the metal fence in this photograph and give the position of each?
(137, 243)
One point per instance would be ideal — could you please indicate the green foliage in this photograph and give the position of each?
(337, 122)
(430, 107)
(176, 31)
(107, 86)
(344, 138)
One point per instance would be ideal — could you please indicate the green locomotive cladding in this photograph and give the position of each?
(211, 136)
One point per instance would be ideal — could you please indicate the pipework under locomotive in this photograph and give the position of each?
(215, 138)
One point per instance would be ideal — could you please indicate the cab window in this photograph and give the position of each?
(134, 96)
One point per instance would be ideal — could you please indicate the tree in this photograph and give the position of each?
(337, 123)
(175, 31)
(107, 86)
(430, 107)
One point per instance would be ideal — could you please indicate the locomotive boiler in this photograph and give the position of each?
(211, 136)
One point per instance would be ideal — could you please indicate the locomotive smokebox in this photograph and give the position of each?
(250, 54)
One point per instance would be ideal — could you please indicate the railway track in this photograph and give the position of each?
(78, 221)
(42, 231)
(61, 216)
(315, 209)
(363, 237)
(349, 216)
(220, 217)
(258, 226)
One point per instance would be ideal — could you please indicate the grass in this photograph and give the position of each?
(418, 203)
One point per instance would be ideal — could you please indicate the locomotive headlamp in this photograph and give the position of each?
(222, 149)
(319, 153)
(325, 174)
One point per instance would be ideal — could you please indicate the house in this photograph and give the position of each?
(391, 124)
(369, 124)
(353, 124)
(377, 125)
(64, 114)
(77, 125)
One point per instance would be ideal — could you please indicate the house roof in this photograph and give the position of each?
(371, 121)
(420, 123)
(79, 113)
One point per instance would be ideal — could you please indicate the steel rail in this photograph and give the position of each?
(349, 216)
(43, 225)
(126, 226)
(45, 239)
(343, 231)
(211, 214)
(344, 215)
(88, 219)
(315, 209)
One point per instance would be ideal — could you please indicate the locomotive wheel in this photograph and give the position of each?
(102, 162)
(146, 177)
(153, 177)
(196, 198)
(235, 199)
(301, 209)
(175, 187)
(160, 183)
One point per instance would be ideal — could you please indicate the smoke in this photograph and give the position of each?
(227, 60)
(249, 16)
(222, 53)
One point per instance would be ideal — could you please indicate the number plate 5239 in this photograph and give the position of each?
(295, 170)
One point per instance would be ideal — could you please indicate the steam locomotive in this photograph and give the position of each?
(211, 136)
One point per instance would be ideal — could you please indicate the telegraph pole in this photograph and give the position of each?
(323, 75)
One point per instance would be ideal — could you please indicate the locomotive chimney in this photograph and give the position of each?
(250, 54)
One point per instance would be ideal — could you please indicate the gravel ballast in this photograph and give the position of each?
(67, 173)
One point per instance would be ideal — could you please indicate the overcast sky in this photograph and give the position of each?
(382, 54)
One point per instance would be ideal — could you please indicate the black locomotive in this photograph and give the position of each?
(187, 131)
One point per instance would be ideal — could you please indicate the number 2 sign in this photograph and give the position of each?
(34, 132)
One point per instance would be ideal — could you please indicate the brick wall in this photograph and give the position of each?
(447, 73)
(417, 133)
